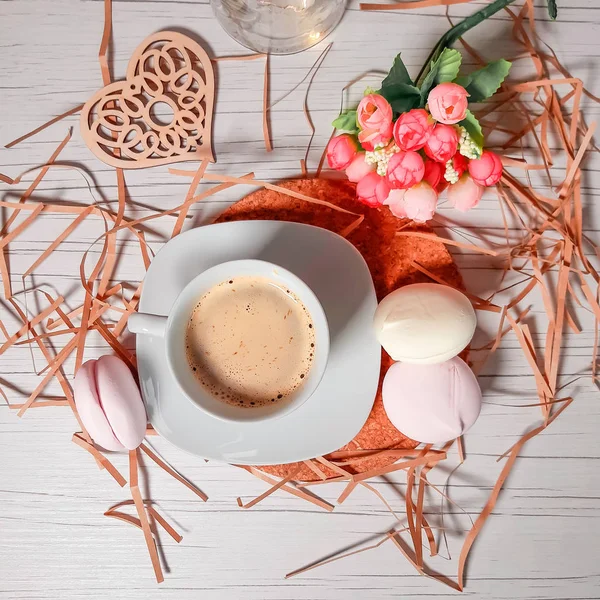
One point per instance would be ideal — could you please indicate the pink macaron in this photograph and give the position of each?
(109, 403)
(432, 403)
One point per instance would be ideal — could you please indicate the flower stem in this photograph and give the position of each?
(457, 32)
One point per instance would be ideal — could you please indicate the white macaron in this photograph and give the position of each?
(424, 323)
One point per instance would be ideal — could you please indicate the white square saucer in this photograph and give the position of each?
(336, 411)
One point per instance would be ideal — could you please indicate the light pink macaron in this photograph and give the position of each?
(432, 403)
(109, 403)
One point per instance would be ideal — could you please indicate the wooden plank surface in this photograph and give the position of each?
(543, 540)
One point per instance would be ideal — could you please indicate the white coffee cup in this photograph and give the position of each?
(173, 329)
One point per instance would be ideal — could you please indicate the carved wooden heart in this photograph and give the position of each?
(124, 123)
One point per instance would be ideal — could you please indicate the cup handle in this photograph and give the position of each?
(147, 324)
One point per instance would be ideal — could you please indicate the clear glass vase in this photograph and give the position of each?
(278, 26)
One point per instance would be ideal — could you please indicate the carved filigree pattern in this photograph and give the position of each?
(124, 123)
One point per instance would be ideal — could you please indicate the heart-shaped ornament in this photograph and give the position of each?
(161, 113)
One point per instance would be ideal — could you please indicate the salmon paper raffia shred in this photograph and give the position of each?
(551, 255)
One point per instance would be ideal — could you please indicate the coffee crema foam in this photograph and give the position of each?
(250, 341)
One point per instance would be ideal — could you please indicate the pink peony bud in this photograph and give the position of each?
(412, 129)
(375, 114)
(433, 173)
(358, 168)
(447, 103)
(405, 169)
(442, 143)
(459, 163)
(372, 190)
(340, 151)
(417, 203)
(465, 194)
(396, 204)
(420, 202)
(369, 138)
(486, 170)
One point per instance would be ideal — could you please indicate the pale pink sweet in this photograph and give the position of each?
(395, 202)
(109, 403)
(432, 403)
(374, 113)
(85, 394)
(405, 169)
(358, 168)
(433, 173)
(340, 151)
(447, 103)
(420, 202)
(372, 190)
(442, 144)
(121, 401)
(486, 170)
(465, 194)
(412, 129)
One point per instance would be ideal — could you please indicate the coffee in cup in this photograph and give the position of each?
(250, 341)
(273, 321)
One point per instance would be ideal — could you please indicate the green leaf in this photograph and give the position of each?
(463, 81)
(397, 75)
(427, 85)
(347, 122)
(448, 65)
(402, 97)
(445, 68)
(456, 32)
(552, 10)
(398, 89)
(471, 124)
(402, 105)
(484, 82)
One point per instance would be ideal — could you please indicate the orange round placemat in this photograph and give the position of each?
(390, 259)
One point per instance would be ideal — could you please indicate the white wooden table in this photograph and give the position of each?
(543, 540)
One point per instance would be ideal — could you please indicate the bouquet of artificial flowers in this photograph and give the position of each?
(408, 142)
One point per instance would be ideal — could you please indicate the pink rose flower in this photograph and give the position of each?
(412, 129)
(433, 173)
(340, 151)
(486, 170)
(358, 168)
(459, 163)
(442, 144)
(465, 194)
(447, 103)
(417, 203)
(420, 202)
(405, 169)
(374, 114)
(372, 190)
(369, 138)
(395, 203)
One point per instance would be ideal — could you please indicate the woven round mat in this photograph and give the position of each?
(389, 258)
